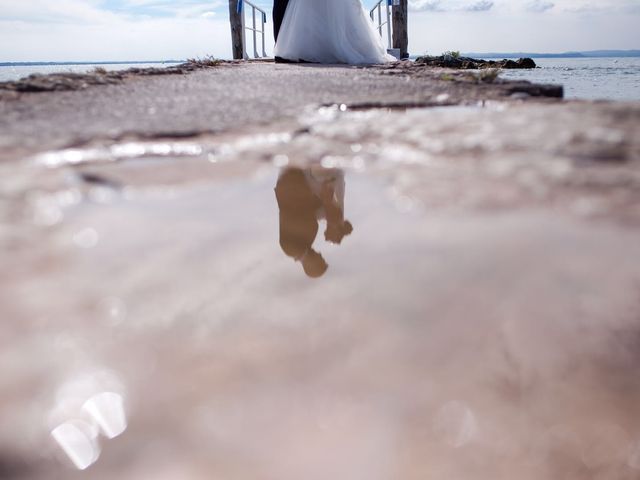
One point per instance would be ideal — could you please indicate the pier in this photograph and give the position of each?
(390, 17)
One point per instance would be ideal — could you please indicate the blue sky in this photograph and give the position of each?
(59, 30)
(163, 8)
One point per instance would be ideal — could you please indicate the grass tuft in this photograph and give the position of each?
(208, 61)
(488, 75)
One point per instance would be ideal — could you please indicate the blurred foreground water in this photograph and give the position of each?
(322, 304)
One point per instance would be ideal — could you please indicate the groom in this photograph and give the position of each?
(279, 7)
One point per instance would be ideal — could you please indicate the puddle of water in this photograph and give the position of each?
(311, 323)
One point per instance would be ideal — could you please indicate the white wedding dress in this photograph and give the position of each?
(330, 31)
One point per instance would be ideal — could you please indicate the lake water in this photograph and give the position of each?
(587, 78)
(12, 72)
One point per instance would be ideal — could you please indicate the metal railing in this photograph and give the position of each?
(253, 28)
(387, 21)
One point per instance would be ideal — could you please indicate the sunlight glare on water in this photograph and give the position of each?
(82, 413)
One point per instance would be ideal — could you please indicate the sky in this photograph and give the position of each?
(124, 30)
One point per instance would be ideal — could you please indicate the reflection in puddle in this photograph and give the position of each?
(305, 197)
(107, 410)
(79, 441)
(83, 411)
(440, 347)
(455, 424)
(634, 456)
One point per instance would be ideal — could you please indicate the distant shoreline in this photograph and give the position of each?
(586, 54)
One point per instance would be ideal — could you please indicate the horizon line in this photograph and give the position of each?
(122, 62)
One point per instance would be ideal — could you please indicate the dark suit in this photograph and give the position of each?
(279, 8)
(298, 206)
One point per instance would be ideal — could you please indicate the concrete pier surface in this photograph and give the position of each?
(283, 272)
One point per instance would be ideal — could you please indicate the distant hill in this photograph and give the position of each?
(612, 53)
(587, 54)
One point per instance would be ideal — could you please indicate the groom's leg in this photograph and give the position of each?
(279, 9)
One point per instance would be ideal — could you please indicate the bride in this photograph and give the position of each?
(329, 31)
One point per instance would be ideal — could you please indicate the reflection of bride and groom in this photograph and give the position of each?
(305, 197)
(326, 31)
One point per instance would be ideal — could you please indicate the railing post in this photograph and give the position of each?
(237, 30)
(400, 27)
(244, 31)
(255, 33)
(264, 20)
(388, 12)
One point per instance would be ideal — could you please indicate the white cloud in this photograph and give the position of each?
(479, 6)
(65, 30)
(450, 5)
(425, 5)
(59, 11)
(172, 8)
(57, 30)
(574, 6)
(539, 6)
(519, 31)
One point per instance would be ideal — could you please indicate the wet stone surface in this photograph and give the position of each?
(356, 292)
(231, 97)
